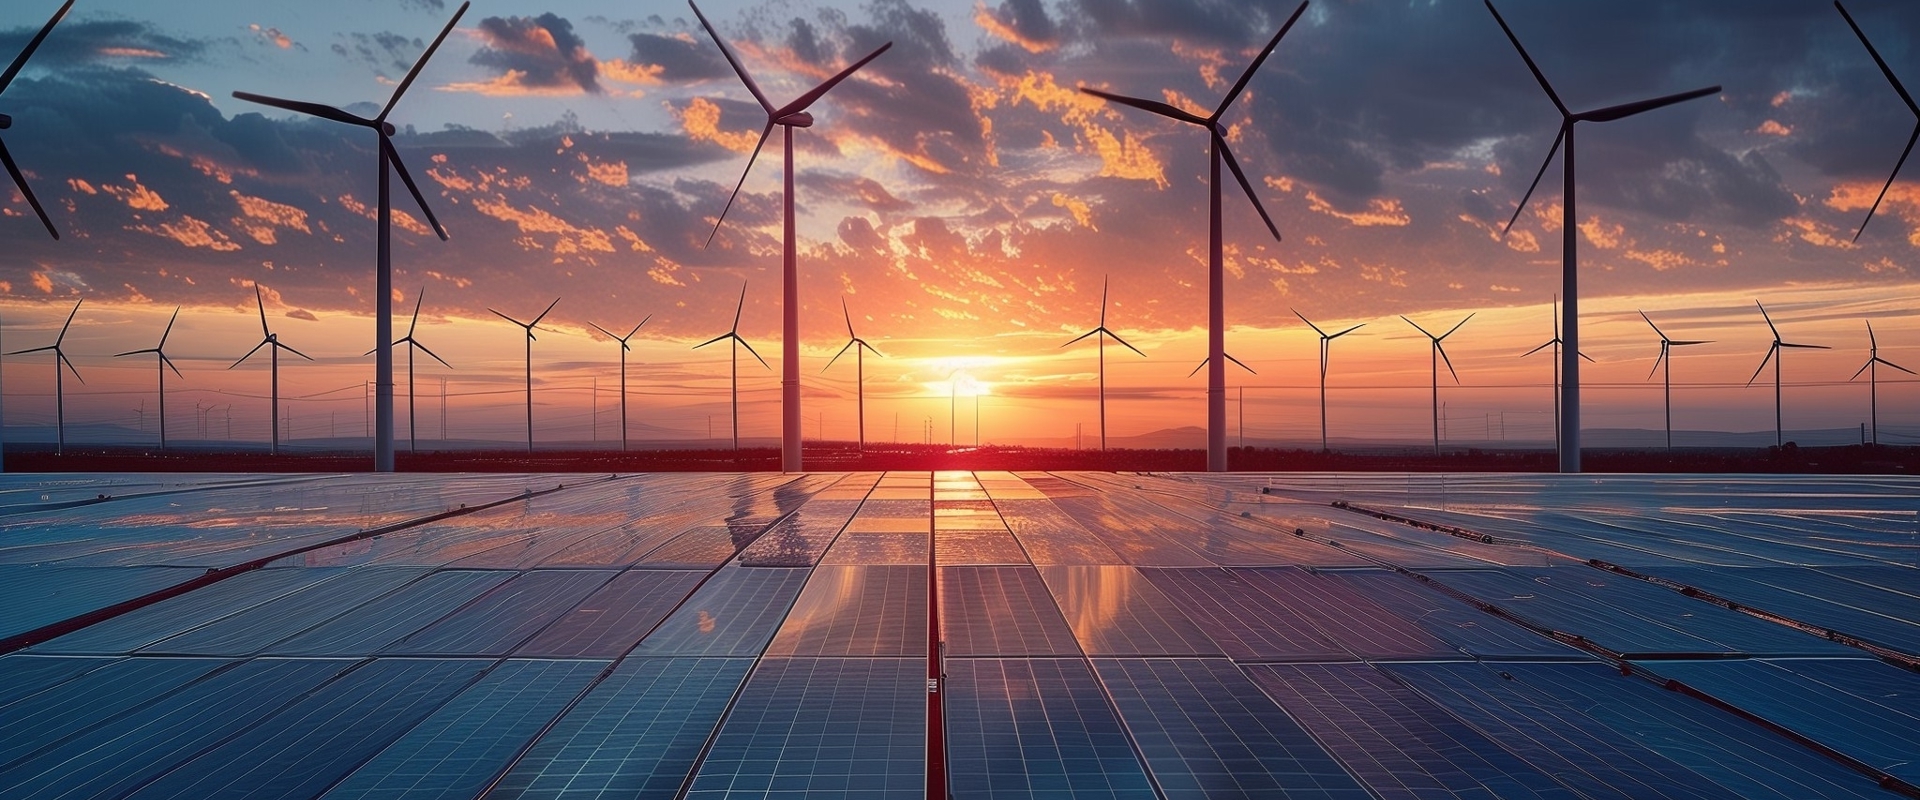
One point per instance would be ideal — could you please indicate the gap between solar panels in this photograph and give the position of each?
(62, 505)
(216, 575)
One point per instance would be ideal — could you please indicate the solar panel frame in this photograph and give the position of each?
(1474, 632)
(23, 675)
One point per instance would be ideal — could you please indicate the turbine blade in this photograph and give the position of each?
(1123, 342)
(1196, 370)
(423, 349)
(311, 109)
(732, 60)
(543, 315)
(20, 180)
(1697, 341)
(1895, 366)
(1884, 69)
(1769, 319)
(636, 328)
(1889, 184)
(1153, 106)
(33, 350)
(740, 307)
(1543, 346)
(1416, 326)
(1247, 76)
(1763, 362)
(33, 44)
(400, 168)
(848, 316)
(421, 64)
(261, 303)
(1529, 59)
(1456, 326)
(1303, 318)
(1551, 152)
(836, 356)
(764, 133)
(1587, 357)
(1234, 165)
(164, 334)
(803, 101)
(1347, 331)
(1656, 328)
(1871, 342)
(1863, 368)
(256, 349)
(1623, 110)
(1448, 361)
(135, 352)
(1242, 366)
(1806, 346)
(290, 349)
(756, 356)
(169, 362)
(62, 358)
(69, 323)
(507, 318)
(595, 326)
(1656, 361)
(1082, 336)
(720, 338)
(870, 348)
(1103, 301)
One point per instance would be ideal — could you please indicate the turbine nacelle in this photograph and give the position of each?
(797, 119)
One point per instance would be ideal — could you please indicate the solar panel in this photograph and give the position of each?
(1116, 611)
(141, 627)
(1395, 741)
(22, 675)
(611, 620)
(1049, 536)
(1795, 592)
(34, 596)
(1172, 510)
(1356, 624)
(506, 616)
(254, 629)
(635, 735)
(878, 548)
(801, 538)
(1138, 535)
(1207, 732)
(317, 740)
(845, 727)
(735, 613)
(393, 616)
(454, 753)
(870, 611)
(1035, 728)
(1875, 680)
(1475, 632)
(1788, 693)
(1001, 611)
(1589, 757)
(91, 699)
(1249, 624)
(705, 547)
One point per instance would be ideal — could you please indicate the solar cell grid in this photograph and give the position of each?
(91, 699)
(1248, 624)
(23, 675)
(735, 613)
(1049, 536)
(1741, 632)
(256, 628)
(1550, 606)
(704, 547)
(613, 619)
(504, 617)
(1036, 728)
(1858, 726)
(1000, 611)
(394, 616)
(1468, 628)
(870, 611)
(878, 548)
(1116, 611)
(1355, 623)
(32, 596)
(144, 626)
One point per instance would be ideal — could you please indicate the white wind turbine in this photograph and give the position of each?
(1904, 97)
(412, 343)
(624, 349)
(6, 79)
(1555, 343)
(859, 370)
(1326, 351)
(529, 329)
(734, 334)
(1873, 378)
(1438, 355)
(1103, 332)
(1666, 357)
(1773, 354)
(271, 341)
(59, 387)
(160, 353)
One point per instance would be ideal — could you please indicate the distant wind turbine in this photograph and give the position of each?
(1216, 283)
(1773, 353)
(1439, 354)
(1904, 97)
(271, 341)
(1873, 378)
(624, 348)
(160, 354)
(383, 274)
(790, 116)
(59, 388)
(1103, 332)
(412, 343)
(1555, 343)
(734, 334)
(1569, 272)
(529, 328)
(6, 122)
(1666, 357)
(1326, 348)
(859, 370)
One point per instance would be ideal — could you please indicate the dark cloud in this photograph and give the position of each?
(537, 53)
(679, 60)
(386, 53)
(94, 41)
(1027, 21)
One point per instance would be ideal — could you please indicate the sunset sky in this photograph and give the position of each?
(967, 203)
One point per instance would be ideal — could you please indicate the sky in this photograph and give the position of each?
(967, 204)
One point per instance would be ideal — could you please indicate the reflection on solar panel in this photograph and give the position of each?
(251, 631)
(91, 699)
(506, 616)
(22, 675)
(871, 611)
(1208, 732)
(31, 597)
(1397, 743)
(1001, 611)
(1784, 591)
(134, 630)
(839, 727)
(704, 547)
(454, 753)
(1347, 617)
(733, 614)
(1589, 757)
(878, 548)
(1155, 539)
(1474, 631)
(1249, 624)
(392, 617)
(1035, 728)
(801, 538)
(611, 621)
(302, 750)
(1049, 536)
(636, 735)
(1115, 611)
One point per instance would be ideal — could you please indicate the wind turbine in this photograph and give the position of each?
(859, 369)
(1773, 353)
(160, 353)
(1216, 291)
(1326, 348)
(383, 274)
(790, 116)
(1873, 378)
(268, 337)
(734, 334)
(6, 122)
(529, 327)
(1102, 332)
(411, 343)
(59, 389)
(1439, 354)
(623, 372)
(1555, 343)
(1569, 272)
(1666, 357)
(1911, 106)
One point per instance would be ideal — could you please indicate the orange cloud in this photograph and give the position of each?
(1773, 128)
(992, 24)
(137, 197)
(80, 186)
(192, 232)
(1120, 156)
(1602, 235)
(1814, 232)
(533, 220)
(1380, 211)
(1078, 208)
(404, 220)
(1661, 260)
(1902, 201)
(701, 119)
(611, 173)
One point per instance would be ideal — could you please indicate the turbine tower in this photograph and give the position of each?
(529, 327)
(59, 388)
(1439, 354)
(1326, 349)
(1216, 291)
(624, 348)
(790, 116)
(271, 341)
(1569, 272)
(859, 370)
(1873, 378)
(1666, 357)
(6, 122)
(1904, 97)
(160, 354)
(734, 334)
(412, 343)
(1555, 343)
(1773, 354)
(383, 273)
(1102, 332)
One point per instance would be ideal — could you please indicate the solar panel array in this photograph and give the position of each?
(1097, 636)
